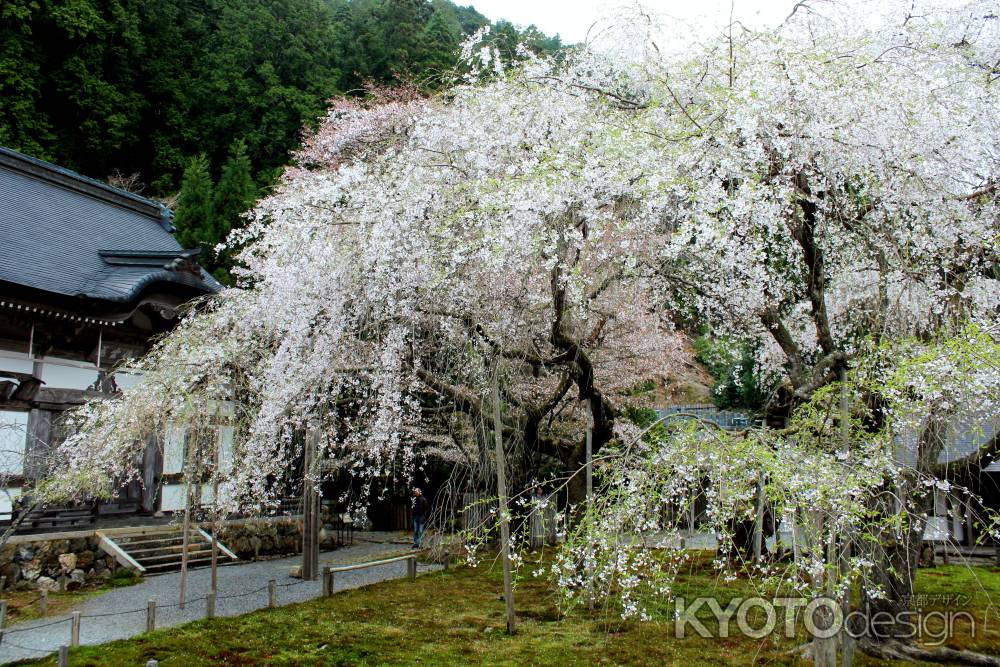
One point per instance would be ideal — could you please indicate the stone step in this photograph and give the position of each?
(159, 558)
(138, 540)
(169, 548)
(161, 551)
(172, 567)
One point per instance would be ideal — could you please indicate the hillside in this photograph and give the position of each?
(110, 87)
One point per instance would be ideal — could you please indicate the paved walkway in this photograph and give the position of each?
(242, 588)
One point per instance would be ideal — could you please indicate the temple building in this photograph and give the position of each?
(89, 275)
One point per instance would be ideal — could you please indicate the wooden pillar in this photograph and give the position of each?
(38, 444)
(589, 453)
(74, 629)
(310, 509)
(508, 586)
(970, 536)
(327, 580)
(191, 445)
(152, 471)
(758, 525)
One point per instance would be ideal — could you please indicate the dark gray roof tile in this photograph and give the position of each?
(54, 223)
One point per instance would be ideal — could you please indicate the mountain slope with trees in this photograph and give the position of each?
(110, 87)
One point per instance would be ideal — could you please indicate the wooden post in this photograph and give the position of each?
(847, 646)
(272, 593)
(327, 582)
(215, 540)
(210, 605)
(970, 536)
(590, 493)
(217, 457)
(74, 631)
(758, 526)
(310, 509)
(847, 642)
(411, 567)
(64, 656)
(191, 444)
(508, 586)
(150, 615)
(43, 601)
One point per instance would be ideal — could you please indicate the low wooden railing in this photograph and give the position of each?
(328, 572)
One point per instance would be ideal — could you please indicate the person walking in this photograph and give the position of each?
(421, 508)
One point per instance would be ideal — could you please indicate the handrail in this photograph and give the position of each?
(222, 547)
(111, 547)
(373, 563)
(328, 572)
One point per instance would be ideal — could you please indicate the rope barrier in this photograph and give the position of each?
(25, 648)
(8, 631)
(113, 613)
(4, 641)
(241, 595)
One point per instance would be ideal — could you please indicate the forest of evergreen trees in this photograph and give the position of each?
(214, 93)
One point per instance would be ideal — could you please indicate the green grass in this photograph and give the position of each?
(457, 618)
(24, 605)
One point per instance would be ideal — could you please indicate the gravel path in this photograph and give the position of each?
(242, 588)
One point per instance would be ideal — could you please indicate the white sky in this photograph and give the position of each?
(572, 18)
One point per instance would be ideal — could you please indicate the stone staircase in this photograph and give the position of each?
(161, 549)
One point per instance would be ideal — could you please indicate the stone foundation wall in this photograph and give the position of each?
(68, 564)
(55, 565)
(251, 540)
(255, 539)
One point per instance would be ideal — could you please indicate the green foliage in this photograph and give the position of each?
(737, 384)
(123, 577)
(641, 417)
(194, 220)
(437, 44)
(130, 86)
(647, 420)
(136, 87)
(234, 196)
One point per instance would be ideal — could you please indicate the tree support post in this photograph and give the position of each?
(310, 510)
(508, 586)
(327, 582)
(758, 526)
(589, 453)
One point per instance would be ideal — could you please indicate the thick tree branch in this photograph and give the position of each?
(805, 234)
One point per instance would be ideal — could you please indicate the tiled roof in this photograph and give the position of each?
(727, 419)
(962, 439)
(55, 223)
